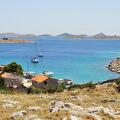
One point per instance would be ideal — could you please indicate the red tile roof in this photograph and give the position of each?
(40, 78)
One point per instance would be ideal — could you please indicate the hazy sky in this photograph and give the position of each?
(58, 16)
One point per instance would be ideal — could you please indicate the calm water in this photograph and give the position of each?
(78, 60)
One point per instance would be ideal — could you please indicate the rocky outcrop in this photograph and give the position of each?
(114, 65)
(78, 111)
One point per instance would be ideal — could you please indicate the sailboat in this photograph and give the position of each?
(35, 59)
(40, 55)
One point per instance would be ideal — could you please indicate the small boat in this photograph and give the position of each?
(47, 73)
(35, 60)
(40, 55)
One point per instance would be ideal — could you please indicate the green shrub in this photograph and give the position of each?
(6, 91)
(118, 81)
(13, 68)
(60, 87)
(35, 90)
(89, 85)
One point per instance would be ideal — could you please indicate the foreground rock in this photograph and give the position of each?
(78, 111)
(15, 115)
(114, 65)
(9, 103)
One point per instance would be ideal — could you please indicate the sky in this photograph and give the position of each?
(60, 16)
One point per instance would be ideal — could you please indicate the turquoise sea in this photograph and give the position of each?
(80, 60)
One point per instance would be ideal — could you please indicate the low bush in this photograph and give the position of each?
(118, 81)
(61, 87)
(90, 85)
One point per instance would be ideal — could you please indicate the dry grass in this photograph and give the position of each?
(87, 98)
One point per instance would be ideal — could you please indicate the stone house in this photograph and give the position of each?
(41, 81)
(11, 80)
(14, 82)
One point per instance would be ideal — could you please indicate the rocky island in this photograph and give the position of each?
(14, 41)
(100, 36)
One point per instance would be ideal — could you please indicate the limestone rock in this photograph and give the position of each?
(18, 114)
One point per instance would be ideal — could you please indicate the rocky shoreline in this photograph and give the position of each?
(114, 65)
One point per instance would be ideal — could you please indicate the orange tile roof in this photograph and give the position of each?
(6, 75)
(40, 78)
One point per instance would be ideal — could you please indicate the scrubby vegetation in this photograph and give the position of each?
(4, 89)
(13, 67)
(47, 89)
(90, 85)
(118, 81)
(118, 85)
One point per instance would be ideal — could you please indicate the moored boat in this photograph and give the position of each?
(35, 60)
(48, 73)
(40, 55)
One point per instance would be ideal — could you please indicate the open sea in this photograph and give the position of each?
(80, 60)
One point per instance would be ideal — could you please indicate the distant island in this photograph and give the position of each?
(63, 35)
(5, 40)
(97, 36)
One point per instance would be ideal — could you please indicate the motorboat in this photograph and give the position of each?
(48, 73)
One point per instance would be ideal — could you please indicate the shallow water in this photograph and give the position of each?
(79, 60)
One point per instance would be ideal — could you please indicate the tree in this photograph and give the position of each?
(14, 68)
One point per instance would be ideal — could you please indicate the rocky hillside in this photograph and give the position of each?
(100, 103)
